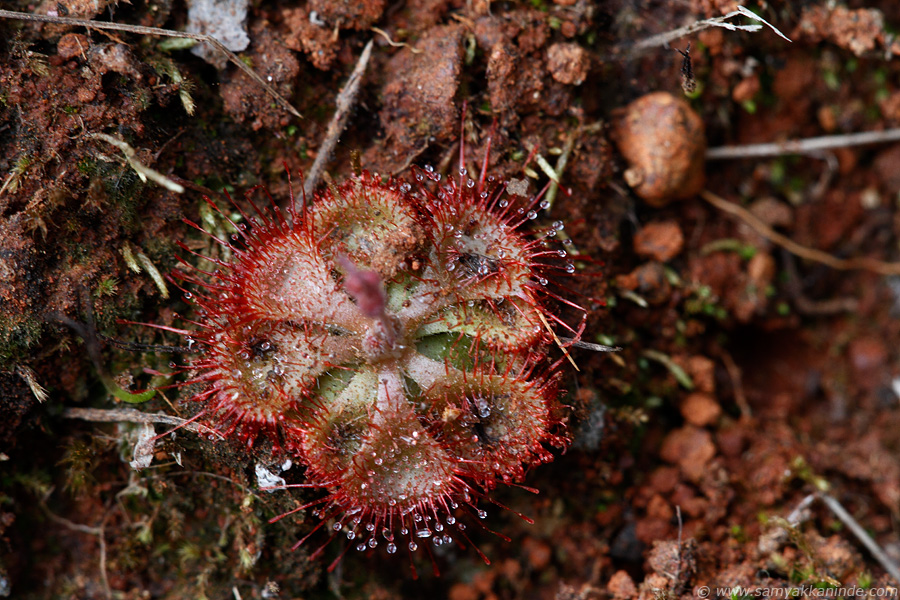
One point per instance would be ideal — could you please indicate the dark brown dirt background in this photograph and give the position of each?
(791, 363)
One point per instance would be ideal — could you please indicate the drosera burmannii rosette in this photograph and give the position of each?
(392, 337)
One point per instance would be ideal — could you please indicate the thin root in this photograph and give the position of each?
(841, 264)
(392, 43)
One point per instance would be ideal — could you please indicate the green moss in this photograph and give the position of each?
(18, 335)
(78, 464)
(87, 166)
(865, 580)
(108, 286)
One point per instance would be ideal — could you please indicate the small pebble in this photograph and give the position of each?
(72, 45)
(568, 63)
(691, 448)
(700, 409)
(659, 241)
(621, 586)
(664, 143)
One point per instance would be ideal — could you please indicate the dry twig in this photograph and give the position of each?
(143, 171)
(841, 264)
(801, 513)
(344, 104)
(862, 535)
(663, 39)
(130, 415)
(803, 146)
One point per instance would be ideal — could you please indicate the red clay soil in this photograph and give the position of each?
(750, 381)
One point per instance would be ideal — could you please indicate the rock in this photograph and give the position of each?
(72, 45)
(567, 63)
(700, 409)
(515, 82)
(761, 270)
(74, 9)
(887, 166)
(772, 212)
(731, 441)
(357, 15)
(659, 241)
(702, 372)
(746, 89)
(418, 94)
(621, 586)
(753, 299)
(658, 508)
(463, 591)
(691, 448)
(225, 20)
(835, 554)
(664, 143)
(670, 557)
(648, 281)
(664, 479)
(859, 30)
(539, 553)
(313, 38)
(245, 100)
(117, 58)
(651, 586)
